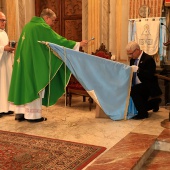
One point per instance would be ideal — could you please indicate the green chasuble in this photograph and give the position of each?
(36, 68)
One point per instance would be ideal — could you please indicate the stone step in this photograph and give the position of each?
(136, 151)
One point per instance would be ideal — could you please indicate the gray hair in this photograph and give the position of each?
(132, 45)
(47, 12)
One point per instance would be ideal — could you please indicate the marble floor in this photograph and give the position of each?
(78, 124)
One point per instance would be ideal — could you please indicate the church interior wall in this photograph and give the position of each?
(107, 20)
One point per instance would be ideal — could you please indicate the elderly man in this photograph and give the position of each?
(38, 77)
(145, 90)
(6, 62)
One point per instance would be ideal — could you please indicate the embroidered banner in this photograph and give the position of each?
(147, 35)
(162, 33)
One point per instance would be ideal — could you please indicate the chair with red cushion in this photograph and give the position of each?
(102, 52)
(74, 87)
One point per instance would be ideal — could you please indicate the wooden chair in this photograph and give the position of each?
(74, 87)
(102, 52)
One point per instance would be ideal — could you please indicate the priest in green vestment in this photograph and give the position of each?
(38, 77)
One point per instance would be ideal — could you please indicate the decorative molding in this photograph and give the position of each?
(118, 28)
(73, 7)
(73, 29)
(105, 15)
(85, 20)
(96, 23)
(21, 14)
(155, 7)
(71, 19)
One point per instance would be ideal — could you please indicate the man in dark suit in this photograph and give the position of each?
(145, 90)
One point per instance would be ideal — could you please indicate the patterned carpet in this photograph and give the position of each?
(26, 152)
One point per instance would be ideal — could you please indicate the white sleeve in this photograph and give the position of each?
(77, 46)
(1, 51)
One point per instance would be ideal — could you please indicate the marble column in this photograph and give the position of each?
(91, 23)
(10, 11)
(95, 23)
(18, 13)
(107, 21)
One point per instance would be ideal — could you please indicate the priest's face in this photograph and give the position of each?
(2, 21)
(50, 20)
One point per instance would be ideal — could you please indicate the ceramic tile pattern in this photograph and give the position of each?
(125, 140)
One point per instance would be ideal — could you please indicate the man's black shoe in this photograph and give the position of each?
(37, 120)
(10, 113)
(2, 113)
(139, 117)
(19, 117)
(153, 104)
(7, 113)
(156, 107)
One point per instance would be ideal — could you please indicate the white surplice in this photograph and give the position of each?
(6, 62)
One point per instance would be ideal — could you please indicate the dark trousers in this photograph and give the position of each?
(140, 94)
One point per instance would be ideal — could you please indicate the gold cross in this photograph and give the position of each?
(18, 60)
(23, 37)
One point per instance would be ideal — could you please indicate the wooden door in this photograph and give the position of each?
(69, 16)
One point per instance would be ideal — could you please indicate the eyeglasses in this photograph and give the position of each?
(53, 20)
(130, 54)
(3, 20)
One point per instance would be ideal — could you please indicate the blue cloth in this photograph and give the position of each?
(108, 82)
(131, 30)
(131, 109)
(163, 39)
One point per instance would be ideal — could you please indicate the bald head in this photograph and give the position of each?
(2, 14)
(47, 12)
(132, 45)
(2, 20)
(49, 16)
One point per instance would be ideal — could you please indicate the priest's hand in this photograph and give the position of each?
(9, 49)
(83, 43)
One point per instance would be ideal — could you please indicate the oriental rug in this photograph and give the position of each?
(20, 151)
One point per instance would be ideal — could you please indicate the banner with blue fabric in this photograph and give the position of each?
(108, 82)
